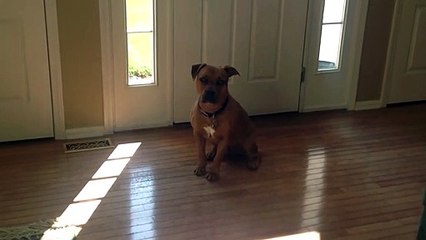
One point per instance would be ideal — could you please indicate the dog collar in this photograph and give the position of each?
(213, 114)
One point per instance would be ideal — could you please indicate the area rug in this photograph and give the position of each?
(38, 230)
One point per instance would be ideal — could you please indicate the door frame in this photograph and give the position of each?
(55, 69)
(355, 63)
(390, 54)
(107, 58)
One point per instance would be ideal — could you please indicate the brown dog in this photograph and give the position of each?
(217, 118)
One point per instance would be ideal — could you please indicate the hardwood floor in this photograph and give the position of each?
(345, 175)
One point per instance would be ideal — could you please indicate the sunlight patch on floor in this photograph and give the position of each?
(124, 150)
(111, 168)
(301, 236)
(78, 213)
(95, 189)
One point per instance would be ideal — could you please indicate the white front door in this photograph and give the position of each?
(262, 39)
(407, 69)
(25, 95)
(333, 48)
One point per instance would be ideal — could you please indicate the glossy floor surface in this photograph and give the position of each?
(339, 174)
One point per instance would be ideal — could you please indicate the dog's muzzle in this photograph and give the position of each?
(209, 96)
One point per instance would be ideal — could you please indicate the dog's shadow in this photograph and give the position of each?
(234, 164)
(235, 156)
(234, 171)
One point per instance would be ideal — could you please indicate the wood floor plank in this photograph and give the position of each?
(346, 175)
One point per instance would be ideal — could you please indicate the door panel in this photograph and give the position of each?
(263, 40)
(271, 74)
(217, 31)
(25, 96)
(408, 74)
(187, 51)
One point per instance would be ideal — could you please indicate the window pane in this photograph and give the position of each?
(330, 47)
(139, 15)
(334, 11)
(140, 58)
(140, 41)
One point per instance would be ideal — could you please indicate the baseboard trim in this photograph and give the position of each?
(144, 126)
(368, 105)
(86, 132)
(322, 108)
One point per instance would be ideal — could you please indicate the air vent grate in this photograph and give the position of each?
(88, 145)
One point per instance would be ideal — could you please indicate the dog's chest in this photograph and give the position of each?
(210, 131)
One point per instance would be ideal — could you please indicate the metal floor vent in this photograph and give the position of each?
(88, 145)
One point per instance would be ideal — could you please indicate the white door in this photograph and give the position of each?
(333, 48)
(262, 39)
(144, 105)
(408, 55)
(25, 95)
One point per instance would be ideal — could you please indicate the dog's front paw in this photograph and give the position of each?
(212, 176)
(200, 171)
(210, 155)
(253, 164)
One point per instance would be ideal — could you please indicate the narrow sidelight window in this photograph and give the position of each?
(140, 42)
(332, 30)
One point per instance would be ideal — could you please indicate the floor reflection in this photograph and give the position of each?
(78, 213)
(301, 236)
(314, 186)
(142, 203)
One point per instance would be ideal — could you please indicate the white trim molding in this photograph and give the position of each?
(356, 50)
(368, 105)
(107, 64)
(86, 132)
(55, 69)
(323, 108)
(389, 57)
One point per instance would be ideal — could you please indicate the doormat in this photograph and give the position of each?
(37, 230)
(88, 145)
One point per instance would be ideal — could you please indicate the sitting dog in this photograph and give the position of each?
(217, 118)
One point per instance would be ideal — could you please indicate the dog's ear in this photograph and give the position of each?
(231, 71)
(196, 69)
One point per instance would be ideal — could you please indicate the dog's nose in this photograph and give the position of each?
(209, 96)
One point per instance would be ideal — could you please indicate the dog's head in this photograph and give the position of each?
(212, 83)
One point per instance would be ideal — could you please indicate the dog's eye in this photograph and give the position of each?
(204, 80)
(220, 82)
